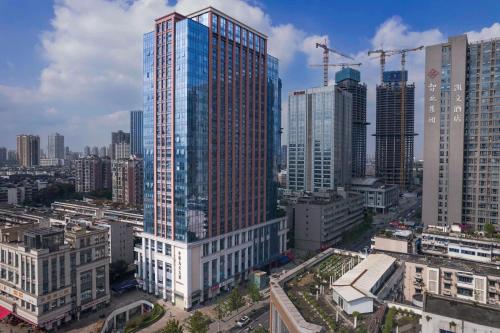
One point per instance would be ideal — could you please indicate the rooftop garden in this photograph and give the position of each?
(310, 292)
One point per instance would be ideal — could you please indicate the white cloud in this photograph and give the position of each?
(485, 33)
(94, 61)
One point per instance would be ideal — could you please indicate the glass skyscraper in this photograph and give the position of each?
(349, 80)
(211, 146)
(55, 146)
(136, 134)
(319, 139)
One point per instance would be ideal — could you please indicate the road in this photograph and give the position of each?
(406, 210)
(258, 318)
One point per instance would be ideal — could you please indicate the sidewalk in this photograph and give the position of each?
(230, 321)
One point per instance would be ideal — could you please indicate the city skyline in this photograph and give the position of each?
(103, 101)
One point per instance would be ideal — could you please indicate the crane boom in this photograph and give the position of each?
(326, 52)
(382, 54)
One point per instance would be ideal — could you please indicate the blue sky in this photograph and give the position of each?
(75, 66)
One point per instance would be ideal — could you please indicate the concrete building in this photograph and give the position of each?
(116, 138)
(28, 150)
(120, 240)
(320, 220)
(55, 146)
(349, 79)
(86, 151)
(449, 277)
(452, 243)
(92, 174)
(3, 155)
(128, 181)
(47, 279)
(394, 159)
(121, 150)
(378, 196)
(286, 313)
(356, 289)
(48, 162)
(462, 105)
(219, 221)
(444, 314)
(136, 133)
(398, 241)
(103, 152)
(319, 139)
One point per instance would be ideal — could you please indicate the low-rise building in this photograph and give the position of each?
(451, 242)
(377, 195)
(444, 314)
(356, 290)
(448, 277)
(399, 241)
(320, 219)
(49, 276)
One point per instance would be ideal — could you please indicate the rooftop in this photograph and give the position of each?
(472, 312)
(442, 262)
(359, 281)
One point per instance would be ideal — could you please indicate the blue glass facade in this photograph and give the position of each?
(191, 131)
(136, 133)
(148, 130)
(273, 154)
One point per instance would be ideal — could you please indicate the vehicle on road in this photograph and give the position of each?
(243, 321)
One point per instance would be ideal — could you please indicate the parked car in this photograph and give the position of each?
(243, 321)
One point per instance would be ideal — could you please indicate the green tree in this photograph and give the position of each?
(254, 292)
(235, 300)
(172, 326)
(489, 229)
(198, 323)
(221, 310)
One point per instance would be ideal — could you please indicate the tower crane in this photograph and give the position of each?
(343, 65)
(382, 56)
(326, 52)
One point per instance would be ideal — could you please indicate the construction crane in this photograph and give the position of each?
(382, 56)
(326, 52)
(343, 65)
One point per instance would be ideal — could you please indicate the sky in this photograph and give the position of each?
(75, 67)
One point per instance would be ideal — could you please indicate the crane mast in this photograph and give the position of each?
(326, 60)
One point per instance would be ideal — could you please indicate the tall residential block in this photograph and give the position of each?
(3, 155)
(462, 143)
(319, 139)
(92, 174)
(395, 133)
(136, 132)
(128, 181)
(211, 100)
(119, 137)
(349, 79)
(55, 146)
(28, 150)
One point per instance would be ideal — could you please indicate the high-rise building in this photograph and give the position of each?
(3, 155)
(394, 160)
(136, 132)
(122, 150)
(86, 151)
(462, 105)
(210, 227)
(95, 151)
(92, 174)
(12, 156)
(55, 146)
(28, 150)
(103, 151)
(116, 138)
(128, 181)
(319, 139)
(349, 79)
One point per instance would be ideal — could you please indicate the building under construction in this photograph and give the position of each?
(394, 161)
(349, 79)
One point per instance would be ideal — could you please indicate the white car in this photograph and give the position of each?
(243, 321)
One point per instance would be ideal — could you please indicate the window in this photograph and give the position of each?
(447, 286)
(418, 269)
(465, 279)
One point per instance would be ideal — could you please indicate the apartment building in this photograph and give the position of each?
(444, 241)
(49, 276)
